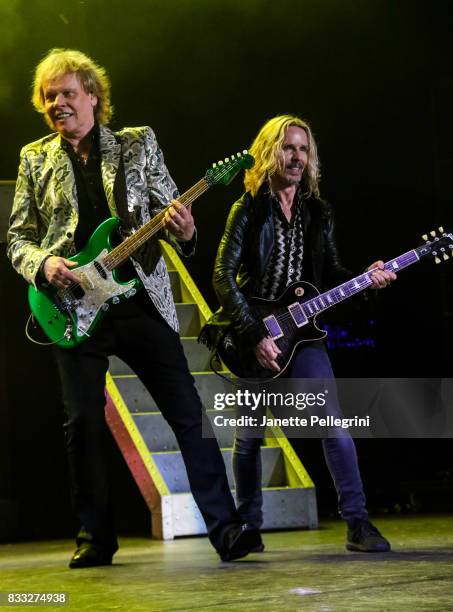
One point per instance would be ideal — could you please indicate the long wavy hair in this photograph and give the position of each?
(267, 151)
(92, 77)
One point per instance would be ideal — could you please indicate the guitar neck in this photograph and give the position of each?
(120, 253)
(358, 284)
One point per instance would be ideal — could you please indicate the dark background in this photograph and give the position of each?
(374, 80)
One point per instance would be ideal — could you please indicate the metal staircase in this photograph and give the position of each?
(149, 445)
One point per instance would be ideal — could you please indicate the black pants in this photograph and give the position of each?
(138, 335)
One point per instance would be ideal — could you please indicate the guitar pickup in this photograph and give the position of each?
(84, 281)
(297, 314)
(273, 327)
(100, 270)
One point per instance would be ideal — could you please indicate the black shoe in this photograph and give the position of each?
(90, 555)
(364, 537)
(240, 540)
(259, 548)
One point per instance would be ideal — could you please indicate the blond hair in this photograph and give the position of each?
(92, 77)
(267, 147)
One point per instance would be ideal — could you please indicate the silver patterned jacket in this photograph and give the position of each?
(45, 210)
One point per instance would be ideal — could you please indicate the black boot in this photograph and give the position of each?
(364, 537)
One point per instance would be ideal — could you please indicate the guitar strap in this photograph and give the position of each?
(120, 190)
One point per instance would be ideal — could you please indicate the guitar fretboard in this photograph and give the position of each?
(356, 285)
(131, 244)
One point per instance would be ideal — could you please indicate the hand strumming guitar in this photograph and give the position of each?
(56, 271)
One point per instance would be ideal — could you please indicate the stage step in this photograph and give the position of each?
(172, 469)
(139, 400)
(198, 358)
(149, 445)
(283, 508)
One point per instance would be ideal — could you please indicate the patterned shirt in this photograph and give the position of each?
(285, 262)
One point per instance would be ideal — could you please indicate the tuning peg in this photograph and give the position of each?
(441, 229)
(232, 157)
(425, 237)
(239, 154)
(445, 256)
(220, 162)
(244, 152)
(214, 165)
(433, 233)
(227, 159)
(437, 260)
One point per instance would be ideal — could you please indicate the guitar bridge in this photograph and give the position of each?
(68, 331)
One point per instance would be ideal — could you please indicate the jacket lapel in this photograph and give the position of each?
(110, 150)
(63, 171)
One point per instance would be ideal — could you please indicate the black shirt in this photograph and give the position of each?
(93, 206)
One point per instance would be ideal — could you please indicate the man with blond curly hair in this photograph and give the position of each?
(68, 183)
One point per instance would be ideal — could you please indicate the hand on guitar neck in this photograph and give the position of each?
(179, 221)
(381, 278)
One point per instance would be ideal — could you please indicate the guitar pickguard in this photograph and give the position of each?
(99, 288)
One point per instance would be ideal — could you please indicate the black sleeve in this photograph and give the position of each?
(230, 255)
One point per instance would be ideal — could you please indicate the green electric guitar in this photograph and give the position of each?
(69, 316)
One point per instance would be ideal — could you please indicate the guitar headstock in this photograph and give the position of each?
(224, 171)
(438, 243)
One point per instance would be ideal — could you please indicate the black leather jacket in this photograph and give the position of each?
(245, 249)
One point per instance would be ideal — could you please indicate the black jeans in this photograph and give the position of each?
(138, 335)
(310, 361)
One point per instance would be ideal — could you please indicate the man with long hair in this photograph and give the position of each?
(69, 182)
(280, 232)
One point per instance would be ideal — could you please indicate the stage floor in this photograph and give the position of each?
(300, 570)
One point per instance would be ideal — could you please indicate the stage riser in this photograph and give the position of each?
(290, 500)
(282, 509)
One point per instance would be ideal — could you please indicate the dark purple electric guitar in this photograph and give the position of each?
(291, 319)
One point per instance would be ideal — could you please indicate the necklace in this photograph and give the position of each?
(82, 157)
